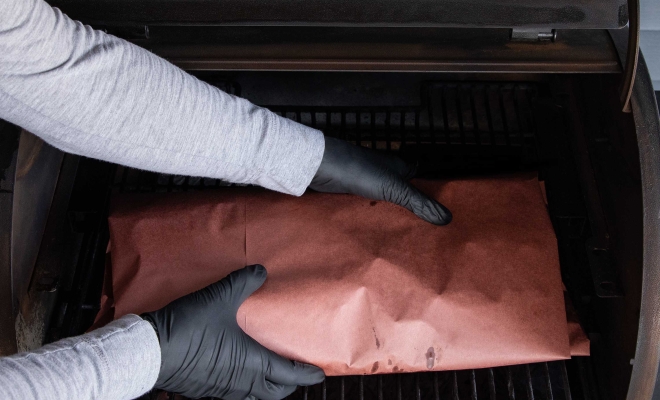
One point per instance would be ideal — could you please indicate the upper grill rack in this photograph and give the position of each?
(456, 114)
(456, 128)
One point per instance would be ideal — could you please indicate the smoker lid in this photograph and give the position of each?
(558, 14)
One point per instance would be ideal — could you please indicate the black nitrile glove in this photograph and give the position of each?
(347, 168)
(205, 353)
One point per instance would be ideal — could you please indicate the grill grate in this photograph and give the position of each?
(542, 381)
(457, 114)
(456, 128)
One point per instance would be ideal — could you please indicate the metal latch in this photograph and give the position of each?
(533, 35)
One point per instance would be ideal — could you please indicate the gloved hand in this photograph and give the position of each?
(347, 168)
(205, 352)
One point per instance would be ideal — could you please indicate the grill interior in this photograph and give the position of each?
(448, 129)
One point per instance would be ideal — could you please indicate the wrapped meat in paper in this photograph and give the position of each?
(358, 286)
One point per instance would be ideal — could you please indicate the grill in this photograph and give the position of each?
(457, 128)
(479, 88)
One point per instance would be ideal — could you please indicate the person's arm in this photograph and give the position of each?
(90, 93)
(93, 94)
(119, 361)
(192, 346)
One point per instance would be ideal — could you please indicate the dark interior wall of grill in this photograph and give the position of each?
(604, 145)
(9, 136)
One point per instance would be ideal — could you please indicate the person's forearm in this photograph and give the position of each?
(89, 93)
(118, 361)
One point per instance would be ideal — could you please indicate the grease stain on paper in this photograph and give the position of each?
(374, 368)
(430, 358)
(376, 337)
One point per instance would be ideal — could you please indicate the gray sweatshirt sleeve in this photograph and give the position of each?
(118, 361)
(90, 93)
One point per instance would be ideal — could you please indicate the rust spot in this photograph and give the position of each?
(389, 362)
(375, 367)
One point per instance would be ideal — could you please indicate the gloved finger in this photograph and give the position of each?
(398, 166)
(264, 389)
(280, 370)
(240, 284)
(402, 193)
(410, 171)
(390, 162)
(340, 152)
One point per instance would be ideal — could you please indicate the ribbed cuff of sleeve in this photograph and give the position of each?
(118, 361)
(131, 349)
(293, 156)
